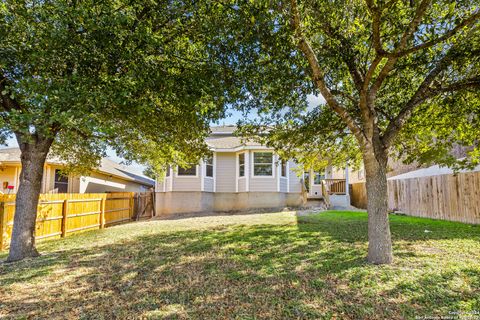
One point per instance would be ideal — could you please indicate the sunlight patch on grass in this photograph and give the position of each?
(274, 265)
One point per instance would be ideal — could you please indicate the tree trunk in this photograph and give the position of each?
(33, 156)
(379, 239)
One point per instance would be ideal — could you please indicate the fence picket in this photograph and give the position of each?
(62, 214)
(447, 197)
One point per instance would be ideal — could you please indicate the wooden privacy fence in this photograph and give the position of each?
(447, 197)
(358, 195)
(61, 214)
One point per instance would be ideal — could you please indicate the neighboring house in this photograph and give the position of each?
(240, 175)
(108, 177)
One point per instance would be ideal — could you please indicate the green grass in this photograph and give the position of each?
(275, 266)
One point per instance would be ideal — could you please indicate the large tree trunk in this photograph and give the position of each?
(33, 156)
(379, 239)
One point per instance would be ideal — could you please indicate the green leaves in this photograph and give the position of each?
(381, 64)
(143, 77)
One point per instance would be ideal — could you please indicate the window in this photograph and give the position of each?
(61, 182)
(284, 168)
(191, 171)
(263, 164)
(241, 165)
(209, 167)
(318, 177)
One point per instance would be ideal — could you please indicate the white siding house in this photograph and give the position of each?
(241, 175)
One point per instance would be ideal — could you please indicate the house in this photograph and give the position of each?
(108, 177)
(241, 175)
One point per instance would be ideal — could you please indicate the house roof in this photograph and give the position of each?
(435, 170)
(223, 137)
(106, 166)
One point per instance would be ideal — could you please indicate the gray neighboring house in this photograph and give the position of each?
(110, 176)
(241, 175)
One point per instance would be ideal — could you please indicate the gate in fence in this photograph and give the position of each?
(144, 205)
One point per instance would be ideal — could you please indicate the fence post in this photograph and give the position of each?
(2, 225)
(131, 206)
(64, 217)
(102, 213)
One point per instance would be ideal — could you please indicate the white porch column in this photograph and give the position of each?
(247, 170)
(347, 180)
(202, 175)
(347, 185)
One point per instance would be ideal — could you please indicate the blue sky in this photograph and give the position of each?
(232, 118)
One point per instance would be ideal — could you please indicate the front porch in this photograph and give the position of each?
(332, 187)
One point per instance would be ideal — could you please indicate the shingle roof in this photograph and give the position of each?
(223, 137)
(223, 129)
(106, 166)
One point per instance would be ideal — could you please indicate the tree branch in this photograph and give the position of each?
(392, 58)
(345, 95)
(473, 82)
(466, 22)
(318, 76)
(6, 101)
(423, 93)
(346, 54)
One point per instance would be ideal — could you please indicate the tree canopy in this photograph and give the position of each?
(78, 76)
(408, 70)
(138, 76)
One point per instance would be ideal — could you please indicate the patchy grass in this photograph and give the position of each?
(253, 266)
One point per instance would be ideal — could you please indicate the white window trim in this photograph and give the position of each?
(181, 177)
(205, 171)
(244, 165)
(253, 165)
(214, 172)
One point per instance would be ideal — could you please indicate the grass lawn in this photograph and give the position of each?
(276, 266)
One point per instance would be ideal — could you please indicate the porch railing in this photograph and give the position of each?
(335, 186)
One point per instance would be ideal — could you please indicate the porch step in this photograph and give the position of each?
(316, 204)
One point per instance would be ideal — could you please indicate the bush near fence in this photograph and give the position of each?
(446, 197)
(62, 214)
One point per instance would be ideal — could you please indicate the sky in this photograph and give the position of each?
(232, 118)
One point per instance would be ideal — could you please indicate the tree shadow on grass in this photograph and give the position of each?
(304, 271)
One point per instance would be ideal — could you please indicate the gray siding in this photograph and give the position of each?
(263, 184)
(283, 185)
(294, 180)
(208, 184)
(242, 185)
(226, 172)
(185, 183)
